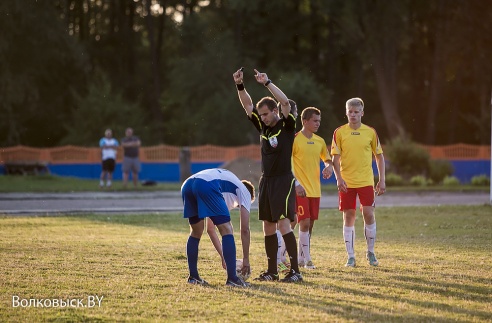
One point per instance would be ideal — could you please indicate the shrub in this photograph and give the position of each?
(393, 179)
(406, 158)
(480, 180)
(450, 181)
(439, 169)
(418, 180)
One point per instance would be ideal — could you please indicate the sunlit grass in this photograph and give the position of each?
(434, 266)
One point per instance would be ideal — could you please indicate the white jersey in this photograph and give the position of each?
(108, 153)
(233, 190)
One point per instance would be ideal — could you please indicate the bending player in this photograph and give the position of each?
(212, 193)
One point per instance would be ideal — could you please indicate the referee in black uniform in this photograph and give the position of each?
(276, 189)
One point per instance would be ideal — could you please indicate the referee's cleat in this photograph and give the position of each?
(292, 277)
(371, 257)
(350, 262)
(197, 281)
(238, 283)
(266, 276)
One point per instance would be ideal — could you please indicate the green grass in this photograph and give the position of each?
(50, 183)
(434, 266)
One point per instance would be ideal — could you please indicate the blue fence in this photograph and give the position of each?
(160, 172)
(170, 172)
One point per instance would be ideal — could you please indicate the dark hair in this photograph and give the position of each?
(268, 101)
(293, 107)
(250, 187)
(307, 113)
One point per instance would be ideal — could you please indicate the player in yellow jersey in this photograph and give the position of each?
(352, 148)
(307, 152)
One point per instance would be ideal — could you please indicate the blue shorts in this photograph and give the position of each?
(203, 199)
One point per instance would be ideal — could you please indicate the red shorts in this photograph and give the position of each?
(348, 201)
(307, 208)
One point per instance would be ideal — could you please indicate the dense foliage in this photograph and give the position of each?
(71, 68)
(407, 158)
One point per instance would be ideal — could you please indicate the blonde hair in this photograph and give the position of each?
(354, 102)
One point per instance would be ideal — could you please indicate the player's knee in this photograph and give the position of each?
(284, 226)
(304, 225)
(225, 228)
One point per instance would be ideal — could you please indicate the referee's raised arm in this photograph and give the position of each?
(277, 93)
(244, 96)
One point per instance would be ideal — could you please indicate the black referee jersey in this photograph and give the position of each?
(276, 144)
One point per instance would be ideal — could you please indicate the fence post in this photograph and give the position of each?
(184, 163)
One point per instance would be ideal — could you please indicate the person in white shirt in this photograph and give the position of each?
(108, 154)
(211, 194)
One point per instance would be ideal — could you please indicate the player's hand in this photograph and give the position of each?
(261, 77)
(238, 76)
(300, 191)
(380, 188)
(246, 269)
(224, 264)
(327, 172)
(342, 186)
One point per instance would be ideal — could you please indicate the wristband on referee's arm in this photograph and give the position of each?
(267, 82)
(240, 86)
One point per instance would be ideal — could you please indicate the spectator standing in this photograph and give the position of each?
(131, 160)
(108, 155)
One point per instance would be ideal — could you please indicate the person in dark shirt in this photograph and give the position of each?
(276, 188)
(131, 161)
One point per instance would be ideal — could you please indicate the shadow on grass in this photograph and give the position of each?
(161, 221)
(356, 306)
(409, 291)
(410, 287)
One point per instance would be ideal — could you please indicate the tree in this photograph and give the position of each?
(103, 108)
(422, 67)
(447, 59)
(40, 67)
(376, 28)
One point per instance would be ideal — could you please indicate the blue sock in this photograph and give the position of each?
(229, 252)
(192, 256)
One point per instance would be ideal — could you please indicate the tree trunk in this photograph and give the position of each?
(383, 51)
(315, 30)
(437, 78)
(155, 86)
(130, 84)
(385, 71)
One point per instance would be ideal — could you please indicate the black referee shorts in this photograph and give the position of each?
(277, 198)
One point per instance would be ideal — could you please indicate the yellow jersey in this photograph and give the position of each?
(306, 155)
(356, 148)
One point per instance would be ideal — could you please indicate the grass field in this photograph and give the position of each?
(50, 183)
(434, 267)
